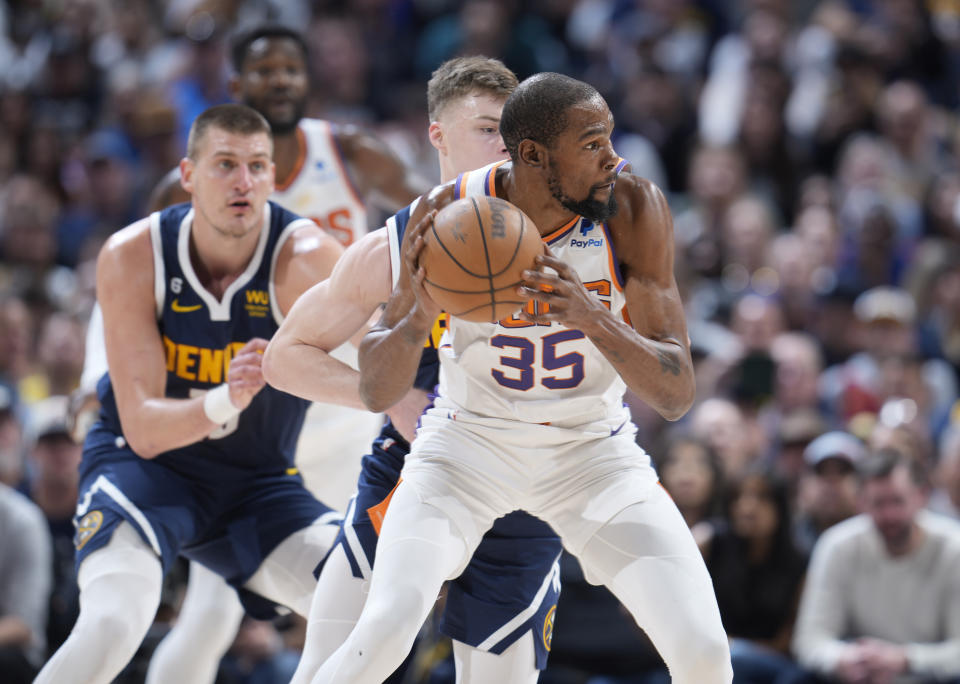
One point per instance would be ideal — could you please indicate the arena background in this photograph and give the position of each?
(808, 150)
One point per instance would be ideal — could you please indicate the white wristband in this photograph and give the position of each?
(217, 405)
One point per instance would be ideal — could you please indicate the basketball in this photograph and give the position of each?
(474, 255)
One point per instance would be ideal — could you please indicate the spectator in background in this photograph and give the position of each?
(106, 193)
(11, 440)
(16, 342)
(945, 497)
(54, 461)
(828, 487)
(882, 598)
(28, 241)
(735, 438)
(24, 586)
(757, 572)
(690, 472)
(258, 656)
(496, 29)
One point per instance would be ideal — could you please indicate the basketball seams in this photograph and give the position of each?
(433, 229)
(466, 291)
(486, 255)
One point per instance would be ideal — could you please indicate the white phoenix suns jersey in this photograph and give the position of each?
(535, 373)
(319, 188)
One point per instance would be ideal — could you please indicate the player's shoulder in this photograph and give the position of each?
(131, 238)
(636, 195)
(642, 211)
(128, 254)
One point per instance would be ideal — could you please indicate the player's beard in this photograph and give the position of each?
(593, 210)
(283, 126)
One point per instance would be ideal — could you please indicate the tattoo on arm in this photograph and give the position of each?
(610, 352)
(668, 364)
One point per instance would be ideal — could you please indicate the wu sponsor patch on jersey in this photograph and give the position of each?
(258, 303)
(87, 527)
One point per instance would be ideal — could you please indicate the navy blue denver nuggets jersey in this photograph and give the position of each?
(200, 336)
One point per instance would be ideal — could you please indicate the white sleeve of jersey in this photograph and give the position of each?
(95, 354)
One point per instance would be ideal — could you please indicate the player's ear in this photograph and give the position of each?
(531, 153)
(435, 133)
(186, 174)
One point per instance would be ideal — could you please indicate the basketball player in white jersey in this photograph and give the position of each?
(529, 413)
(322, 172)
(465, 96)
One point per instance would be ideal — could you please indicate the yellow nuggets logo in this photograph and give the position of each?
(548, 626)
(258, 303)
(199, 363)
(439, 325)
(87, 527)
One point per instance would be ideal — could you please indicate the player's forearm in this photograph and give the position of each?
(388, 359)
(311, 373)
(161, 424)
(658, 372)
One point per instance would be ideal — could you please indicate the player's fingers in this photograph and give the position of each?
(558, 265)
(257, 344)
(423, 224)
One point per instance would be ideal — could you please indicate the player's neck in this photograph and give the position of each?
(217, 259)
(447, 170)
(287, 153)
(528, 192)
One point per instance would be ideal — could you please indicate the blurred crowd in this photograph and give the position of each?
(810, 151)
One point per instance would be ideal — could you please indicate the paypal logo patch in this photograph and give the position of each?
(590, 242)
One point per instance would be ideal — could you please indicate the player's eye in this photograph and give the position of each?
(488, 130)
(225, 164)
(593, 147)
(257, 167)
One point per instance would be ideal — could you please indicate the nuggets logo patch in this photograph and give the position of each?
(548, 626)
(87, 527)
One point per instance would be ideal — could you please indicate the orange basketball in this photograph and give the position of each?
(474, 255)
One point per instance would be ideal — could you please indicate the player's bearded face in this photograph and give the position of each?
(591, 208)
(280, 124)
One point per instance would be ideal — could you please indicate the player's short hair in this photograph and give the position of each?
(537, 109)
(242, 43)
(463, 76)
(233, 118)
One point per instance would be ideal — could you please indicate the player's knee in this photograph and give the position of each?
(121, 631)
(398, 620)
(705, 660)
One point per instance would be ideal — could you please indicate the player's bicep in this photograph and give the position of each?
(135, 352)
(653, 301)
(307, 258)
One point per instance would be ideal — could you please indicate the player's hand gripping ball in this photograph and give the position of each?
(474, 255)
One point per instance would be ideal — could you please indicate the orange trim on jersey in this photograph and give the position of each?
(614, 269)
(492, 178)
(343, 165)
(626, 316)
(462, 185)
(377, 512)
(298, 164)
(561, 230)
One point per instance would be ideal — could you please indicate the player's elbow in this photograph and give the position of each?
(372, 396)
(678, 402)
(270, 364)
(142, 446)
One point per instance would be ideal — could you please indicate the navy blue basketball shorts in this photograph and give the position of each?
(229, 524)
